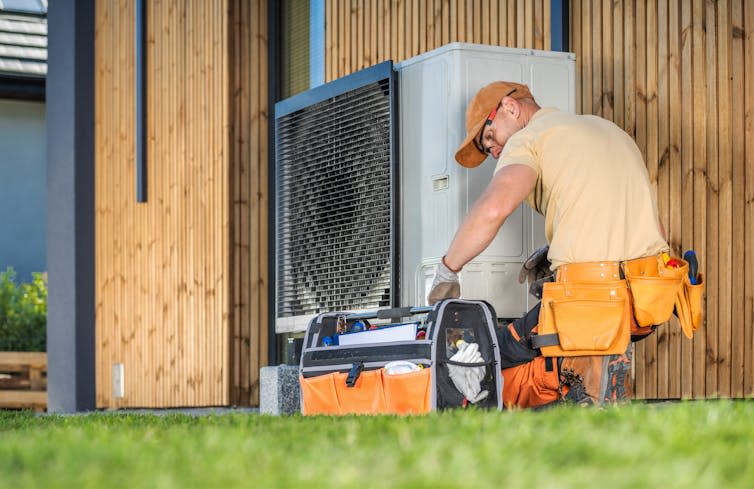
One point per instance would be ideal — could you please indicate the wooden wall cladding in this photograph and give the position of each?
(250, 199)
(677, 76)
(162, 267)
(361, 33)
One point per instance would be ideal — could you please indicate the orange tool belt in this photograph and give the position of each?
(594, 308)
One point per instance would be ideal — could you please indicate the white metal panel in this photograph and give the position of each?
(436, 192)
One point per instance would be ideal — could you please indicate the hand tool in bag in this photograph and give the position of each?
(670, 262)
(690, 257)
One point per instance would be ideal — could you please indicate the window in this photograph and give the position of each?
(302, 28)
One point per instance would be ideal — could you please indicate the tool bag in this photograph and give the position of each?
(352, 378)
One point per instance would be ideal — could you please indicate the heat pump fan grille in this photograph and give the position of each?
(335, 219)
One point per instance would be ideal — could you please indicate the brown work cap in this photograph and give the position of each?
(479, 108)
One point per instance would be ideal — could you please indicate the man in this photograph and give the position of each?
(587, 177)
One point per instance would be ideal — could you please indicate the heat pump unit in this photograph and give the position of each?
(368, 192)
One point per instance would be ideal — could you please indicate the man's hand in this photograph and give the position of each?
(536, 270)
(445, 285)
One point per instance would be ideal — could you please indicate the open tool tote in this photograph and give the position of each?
(352, 378)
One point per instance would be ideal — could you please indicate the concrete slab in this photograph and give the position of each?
(279, 391)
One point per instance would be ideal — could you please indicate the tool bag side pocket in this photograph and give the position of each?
(408, 393)
(654, 288)
(366, 395)
(318, 395)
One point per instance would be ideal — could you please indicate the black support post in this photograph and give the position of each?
(140, 64)
(559, 15)
(273, 77)
(70, 206)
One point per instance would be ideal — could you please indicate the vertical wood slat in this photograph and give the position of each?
(676, 178)
(426, 9)
(608, 62)
(687, 170)
(748, 323)
(586, 55)
(651, 130)
(636, 87)
(712, 190)
(262, 276)
(618, 63)
(371, 34)
(596, 57)
(738, 196)
(699, 62)
(574, 41)
(657, 22)
(724, 241)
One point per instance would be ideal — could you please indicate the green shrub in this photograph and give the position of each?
(23, 313)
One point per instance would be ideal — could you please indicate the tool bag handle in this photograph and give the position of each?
(392, 313)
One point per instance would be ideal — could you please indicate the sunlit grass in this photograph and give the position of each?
(691, 444)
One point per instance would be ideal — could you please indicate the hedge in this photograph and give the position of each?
(23, 312)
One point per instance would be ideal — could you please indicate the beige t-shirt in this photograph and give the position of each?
(592, 187)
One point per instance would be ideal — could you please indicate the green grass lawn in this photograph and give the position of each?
(691, 444)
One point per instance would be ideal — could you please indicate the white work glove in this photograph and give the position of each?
(536, 270)
(468, 380)
(445, 285)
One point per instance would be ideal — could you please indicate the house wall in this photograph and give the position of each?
(181, 280)
(163, 288)
(677, 76)
(23, 197)
(249, 184)
(182, 285)
(360, 33)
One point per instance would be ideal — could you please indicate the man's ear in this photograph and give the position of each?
(512, 106)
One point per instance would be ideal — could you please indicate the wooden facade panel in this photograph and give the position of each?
(162, 280)
(361, 33)
(182, 282)
(249, 126)
(686, 96)
(673, 74)
(748, 214)
(737, 198)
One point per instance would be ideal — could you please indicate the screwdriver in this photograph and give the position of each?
(690, 257)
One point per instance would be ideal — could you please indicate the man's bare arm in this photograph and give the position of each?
(508, 188)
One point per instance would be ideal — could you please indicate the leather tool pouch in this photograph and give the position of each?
(584, 318)
(689, 305)
(654, 288)
(657, 290)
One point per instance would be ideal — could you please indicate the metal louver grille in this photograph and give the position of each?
(335, 213)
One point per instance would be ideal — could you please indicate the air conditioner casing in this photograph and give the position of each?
(436, 193)
(369, 195)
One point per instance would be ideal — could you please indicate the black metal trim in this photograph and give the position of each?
(323, 357)
(559, 25)
(141, 99)
(334, 88)
(22, 88)
(395, 183)
(373, 74)
(273, 75)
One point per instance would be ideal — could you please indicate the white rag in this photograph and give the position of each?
(468, 380)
